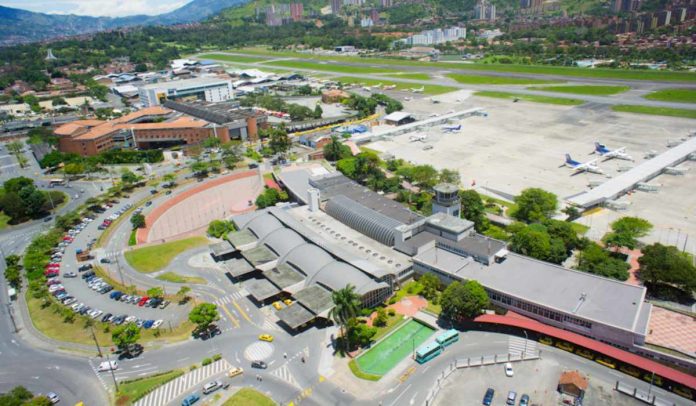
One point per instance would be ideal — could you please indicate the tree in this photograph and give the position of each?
(346, 306)
(661, 264)
(269, 197)
(169, 177)
(473, 209)
(531, 242)
(39, 400)
(449, 176)
(279, 142)
(13, 276)
(534, 205)
(125, 336)
(381, 318)
(128, 177)
(156, 291)
(211, 142)
(431, 285)
(183, 291)
(138, 221)
(626, 231)
(463, 300)
(304, 90)
(16, 397)
(14, 185)
(73, 168)
(204, 315)
(220, 228)
(596, 260)
(318, 111)
(141, 67)
(335, 150)
(359, 333)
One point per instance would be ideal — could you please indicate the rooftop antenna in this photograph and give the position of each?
(583, 297)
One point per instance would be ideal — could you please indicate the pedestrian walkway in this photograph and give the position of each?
(283, 373)
(93, 364)
(518, 345)
(169, 391)
(228, 299)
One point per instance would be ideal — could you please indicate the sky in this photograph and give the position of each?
(109, 8)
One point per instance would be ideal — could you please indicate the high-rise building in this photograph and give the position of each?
(296, 11)
(525, 3)
(484, 10)
(336, 6)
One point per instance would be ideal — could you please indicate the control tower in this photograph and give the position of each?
(447, 200)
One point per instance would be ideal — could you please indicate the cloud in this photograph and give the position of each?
(110, 8)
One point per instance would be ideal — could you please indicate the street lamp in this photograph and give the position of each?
(525, 343)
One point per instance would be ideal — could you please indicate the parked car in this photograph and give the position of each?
(105, 261)
(511, 397)
(143, 300)
(211, 387)
(106, 317)
(488, 397)
(53, 397)
(524, 400)
(116, 295)
(70, 275)
(148, 324)
(157, 323)
(164, 304)
(508, 370)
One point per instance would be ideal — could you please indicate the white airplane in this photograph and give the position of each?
(367, 89)
(589, 166)
(377, 86)
(389, 87)
(603, 151)
(419, 137)
(418, 90)
(451, 128)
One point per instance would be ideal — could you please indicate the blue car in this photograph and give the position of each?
(148, 323)
(190, 399)
(116, 295)
(488, 397)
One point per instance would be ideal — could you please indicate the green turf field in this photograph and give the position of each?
(589, 90)
(427, 89)
(384, 356)
(232, 58)
(656, 111)
(494, 80)
(531, 98)
(674, 95)
(329, 67)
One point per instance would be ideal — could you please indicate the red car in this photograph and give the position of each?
(51, 274)
(52, 266)
(52, 282)
(107, 222)
(143, 300)
(68, 238)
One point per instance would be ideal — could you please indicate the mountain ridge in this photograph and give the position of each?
(23, 26)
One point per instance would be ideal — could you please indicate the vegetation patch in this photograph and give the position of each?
(495, 80)
(156, 257)
(133, 390)
(674, 95)
(131, 239)
(589, 90)
(657, 111)
(4, 219)
(249, 397)
(531, 98)
(176, 278)
(355, 369)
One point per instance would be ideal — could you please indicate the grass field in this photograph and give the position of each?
(531, 98)
(4, 219)
(427, 89)
(232, 58)
(604, 73)
(589, 90)
(495, 80)
(249, 397)
(657, 111)
(329, 68)
(674, 95)
(384, 356)
(176, 278)
(130, 391)
(155, 257)
(413, 76)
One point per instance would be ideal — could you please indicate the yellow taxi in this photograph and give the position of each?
(234, 372)
(266, 337)
(277, 305)
(287, 302)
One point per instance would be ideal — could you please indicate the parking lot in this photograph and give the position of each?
(538, 379)
(78, 286)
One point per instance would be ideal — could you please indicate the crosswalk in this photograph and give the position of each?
(258, 351)
(228, 299)
(169, 391)
(518, 345)
(283, 373)
(93, 365)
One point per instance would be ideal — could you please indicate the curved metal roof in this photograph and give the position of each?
(363, 219)
(283, 241)
(308, 259)
(337, 275)
(263, 225)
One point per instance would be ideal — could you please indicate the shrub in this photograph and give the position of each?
(217, 357)
(391, 312)
(206, 361)
(193, 367)
(392, 300)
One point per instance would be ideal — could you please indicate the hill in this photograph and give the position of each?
(21, 26)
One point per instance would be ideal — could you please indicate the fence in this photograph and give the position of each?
(475, 362)
(645, 397)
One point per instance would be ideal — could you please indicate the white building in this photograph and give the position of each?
(436, 36)
(208, 89)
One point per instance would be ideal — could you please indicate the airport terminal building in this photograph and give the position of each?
(345, 233)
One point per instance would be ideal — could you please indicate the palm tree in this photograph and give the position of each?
(333, 151)
(346, 306)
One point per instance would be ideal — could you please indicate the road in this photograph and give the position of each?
(438, 72)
